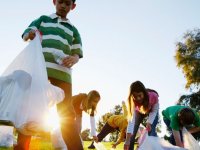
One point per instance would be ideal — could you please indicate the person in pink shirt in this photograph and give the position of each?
(142, 103)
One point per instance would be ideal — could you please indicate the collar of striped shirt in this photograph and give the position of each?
(54, 16)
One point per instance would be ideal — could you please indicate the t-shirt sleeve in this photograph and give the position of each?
(93, 126)
(131, 124)
(155, 107)
(153, 113)
(77, 44)
(197, 120)
(174, 123)
(35, 25)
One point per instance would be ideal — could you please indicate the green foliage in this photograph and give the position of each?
(191, 100)
(85, 135)
(188, 57)
(117, 110)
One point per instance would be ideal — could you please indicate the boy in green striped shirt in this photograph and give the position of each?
(58, 36)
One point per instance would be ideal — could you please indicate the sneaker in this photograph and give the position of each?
(91, 146)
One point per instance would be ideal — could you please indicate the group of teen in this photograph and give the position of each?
(59, 35)
(143, 104)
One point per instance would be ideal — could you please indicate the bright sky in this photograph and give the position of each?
(123, 41)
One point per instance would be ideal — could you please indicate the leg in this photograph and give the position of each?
(153, 127)
(104, 132)
(138, 119)
(67, 115)
(23, 142)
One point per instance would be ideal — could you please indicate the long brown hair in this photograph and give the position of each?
(93, 97)
(137, 87)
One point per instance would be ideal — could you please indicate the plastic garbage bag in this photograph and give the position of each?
(6, 136)
(25, 92)
(57, 140)
(189, 141)
(155, 143)
(99, 146)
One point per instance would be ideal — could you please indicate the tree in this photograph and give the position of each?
(191, 100)
(188, 57)
(85, 135)
(117, 110)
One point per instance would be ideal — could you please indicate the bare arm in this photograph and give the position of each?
(153, 113)
(129, 132)
(29, 36)
(194, 130)
(120, 139)
(127, 141)
(69, 61)
(177, 138)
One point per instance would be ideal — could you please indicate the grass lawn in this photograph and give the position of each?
(37, 144)
(108, 145)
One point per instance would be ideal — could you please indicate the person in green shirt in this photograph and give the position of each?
(176, 117)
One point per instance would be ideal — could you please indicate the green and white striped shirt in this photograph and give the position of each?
(57, 35)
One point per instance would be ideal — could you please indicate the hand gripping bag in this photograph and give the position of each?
(147, 142)
(189, 141)
(26, 95)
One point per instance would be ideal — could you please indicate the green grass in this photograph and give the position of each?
(4, 148)
(37, 144)
(108, 145)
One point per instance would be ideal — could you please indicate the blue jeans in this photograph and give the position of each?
(138, 119)
(172, 140)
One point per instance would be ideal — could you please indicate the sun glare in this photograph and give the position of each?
(52, 120)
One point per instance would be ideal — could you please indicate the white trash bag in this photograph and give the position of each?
(25, 92)
(147, 142)
(99, 146)
(57, 140)
(189, 141)
(6, 136)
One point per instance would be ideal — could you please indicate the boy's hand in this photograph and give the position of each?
(30, 35)
(177, 138)
(194, 130)
(69, 61)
